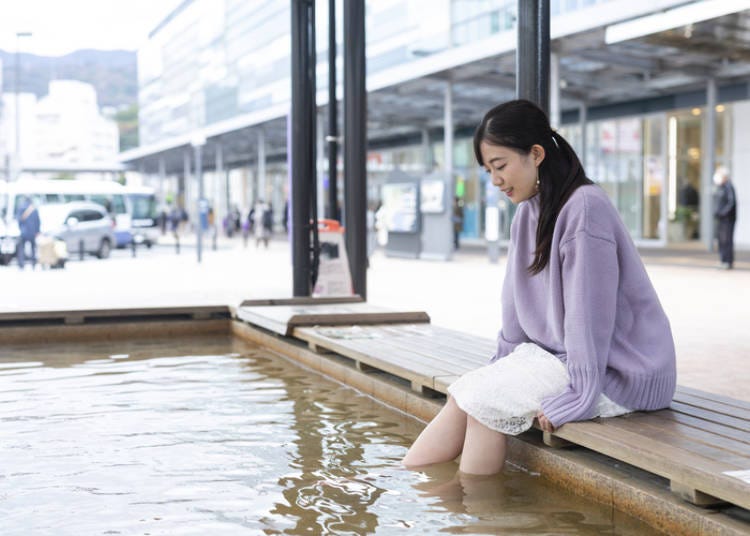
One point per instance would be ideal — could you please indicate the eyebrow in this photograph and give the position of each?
(491, 160)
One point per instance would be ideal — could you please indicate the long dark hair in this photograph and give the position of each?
(518, 125)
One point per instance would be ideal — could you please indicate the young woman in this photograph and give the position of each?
(583, 333)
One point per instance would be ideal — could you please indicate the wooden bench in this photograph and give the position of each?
(701, 445)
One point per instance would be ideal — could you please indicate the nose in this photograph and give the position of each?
(497, 180)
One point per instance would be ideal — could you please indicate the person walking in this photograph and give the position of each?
(725, 211)
(583, 333)
(457, 218)
(29, 226)
(262, 222)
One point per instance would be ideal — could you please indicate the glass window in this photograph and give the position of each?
(654, 175)
(144, 206)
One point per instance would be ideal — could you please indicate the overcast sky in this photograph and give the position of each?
(61, 26)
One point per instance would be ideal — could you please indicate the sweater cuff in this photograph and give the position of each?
(577, 401)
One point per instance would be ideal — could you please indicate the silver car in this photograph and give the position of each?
(82, 225)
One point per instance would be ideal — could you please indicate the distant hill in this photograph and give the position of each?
(112, 73)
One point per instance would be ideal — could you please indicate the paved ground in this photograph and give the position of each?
(709, 308)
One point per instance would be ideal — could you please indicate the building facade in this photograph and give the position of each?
(62, 132)
(651, 94)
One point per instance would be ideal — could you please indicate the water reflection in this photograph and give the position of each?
(212, 436)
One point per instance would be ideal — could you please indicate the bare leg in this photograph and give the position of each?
(442, 440)
(483, 450)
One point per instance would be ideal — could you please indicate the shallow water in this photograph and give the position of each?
(216, 437)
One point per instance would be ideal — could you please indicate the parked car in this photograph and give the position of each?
(80, 223)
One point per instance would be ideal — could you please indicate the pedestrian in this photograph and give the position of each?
(583, 333)
(725, 211)
(29, 226)
(263, 223)
(285, 217)
(457, 218)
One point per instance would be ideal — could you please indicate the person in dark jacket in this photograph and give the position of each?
(29, 225)
(725, 211)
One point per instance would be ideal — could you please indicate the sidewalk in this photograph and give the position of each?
(706, 306)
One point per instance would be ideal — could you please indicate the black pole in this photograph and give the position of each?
(302, 151)
(532, 53)
(332, 138)
(355, 143)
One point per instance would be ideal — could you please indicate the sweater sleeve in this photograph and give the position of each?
(590, 276)
(511, 333)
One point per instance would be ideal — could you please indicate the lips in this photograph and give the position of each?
(508, 192)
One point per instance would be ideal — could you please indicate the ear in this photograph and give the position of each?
(537, 153)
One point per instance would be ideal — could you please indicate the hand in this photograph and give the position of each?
(544, 422)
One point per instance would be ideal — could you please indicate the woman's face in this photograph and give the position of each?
(514, 173)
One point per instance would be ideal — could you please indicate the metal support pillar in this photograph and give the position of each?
(448, 137)
(162, 178)
(320, 159)
(201, 202)
(355, 143)
(532, 53)
(583, 121)
(333, 129)
(303, 139)
(709, 166)
(262, 188)
(554, 90)
(183, 194)
(219, 197)
(427, 151)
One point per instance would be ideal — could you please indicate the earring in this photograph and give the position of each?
(537, 179)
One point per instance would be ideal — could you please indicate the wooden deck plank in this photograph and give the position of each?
(713, 405)
(733, 402)
(410, 366)
(711, 416)
(442, 337)
(712, 435)
(282, 319)
(405, 345)
(668, 461)
(673, 436)
(302, 300)
(719, 429)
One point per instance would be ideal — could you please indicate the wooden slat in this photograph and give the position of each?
(670, 436)
(671, 462)
(733, 402)
(713, 405)
(711, 416)
(718, 429)
(302, 300)
(695, 429)
(282, 319)
(74, 316)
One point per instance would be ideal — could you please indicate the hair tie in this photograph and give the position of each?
(554, 140)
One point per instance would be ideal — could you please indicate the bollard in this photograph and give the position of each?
(177, 243)
(214, 240)
(80, 249)
(132, 247)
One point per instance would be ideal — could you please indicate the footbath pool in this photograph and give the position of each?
(214, 436)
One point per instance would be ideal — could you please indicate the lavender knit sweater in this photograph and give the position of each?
(593, 306)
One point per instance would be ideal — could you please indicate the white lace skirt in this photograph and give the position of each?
(507, 395)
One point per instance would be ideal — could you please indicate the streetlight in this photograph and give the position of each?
(17, 159)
